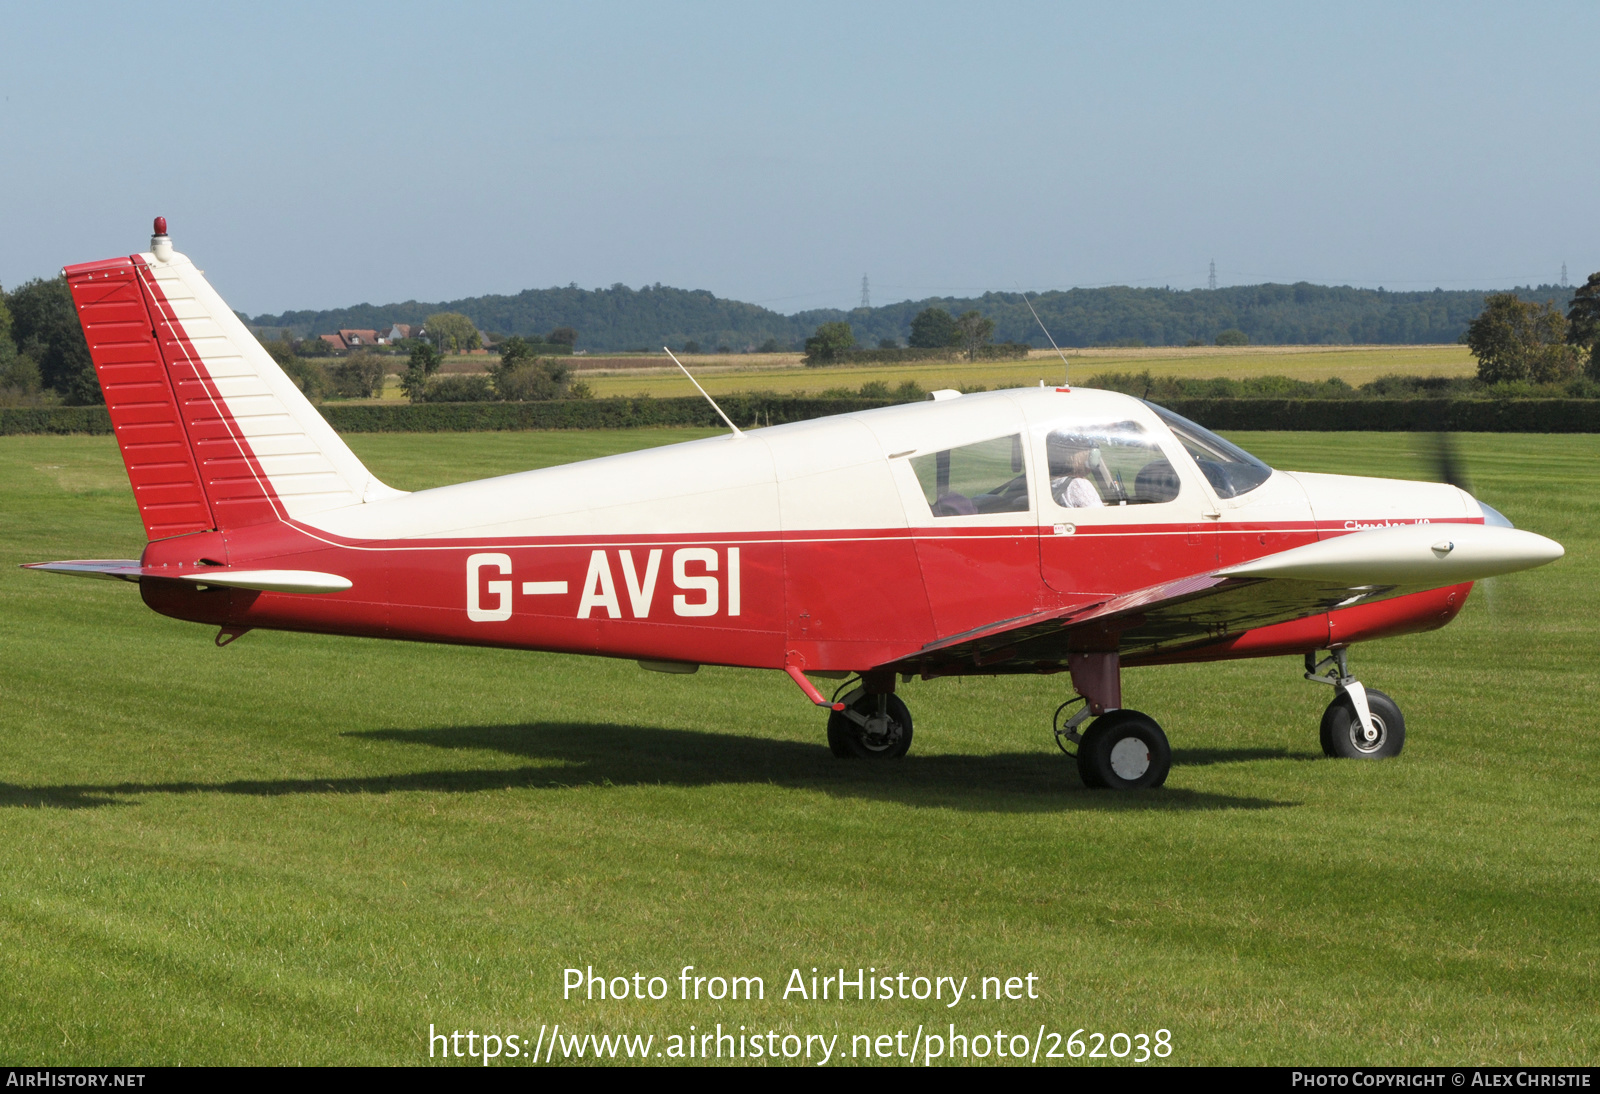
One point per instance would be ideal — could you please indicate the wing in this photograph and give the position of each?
(1359, 568)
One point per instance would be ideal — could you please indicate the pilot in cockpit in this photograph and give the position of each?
(1076, 489)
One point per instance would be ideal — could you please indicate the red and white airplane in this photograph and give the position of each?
(1025, 531)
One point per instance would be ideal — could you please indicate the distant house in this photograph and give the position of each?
(354, 338)
(333, 340)
(401, 330)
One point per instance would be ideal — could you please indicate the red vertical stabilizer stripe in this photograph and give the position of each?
(236, 487)
(145, 416)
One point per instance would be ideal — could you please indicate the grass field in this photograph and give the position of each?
(785, 373)
(301, 849)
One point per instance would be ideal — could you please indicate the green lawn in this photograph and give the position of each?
(304, 849)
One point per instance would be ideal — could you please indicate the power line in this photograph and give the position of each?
(1211, 282)
(1564, 284)
(866, 294)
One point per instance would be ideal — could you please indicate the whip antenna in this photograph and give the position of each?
(1066, 382)
(702, 391)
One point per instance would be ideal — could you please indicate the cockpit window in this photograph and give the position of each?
(1229, 469)
(1116, 464)
(987, 477)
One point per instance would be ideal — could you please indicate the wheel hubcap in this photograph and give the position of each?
(1130, 758)
(1368, 740)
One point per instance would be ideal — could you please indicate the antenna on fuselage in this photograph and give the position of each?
(701, 390)
(1066, 381)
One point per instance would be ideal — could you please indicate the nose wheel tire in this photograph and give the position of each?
(1124, 750)
(885, 736)
(1345, 737)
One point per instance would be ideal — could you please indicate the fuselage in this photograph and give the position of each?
(839, 544)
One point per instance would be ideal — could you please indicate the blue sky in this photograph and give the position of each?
(325, 154)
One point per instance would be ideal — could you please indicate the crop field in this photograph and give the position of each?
(306, 849)
(786, 374)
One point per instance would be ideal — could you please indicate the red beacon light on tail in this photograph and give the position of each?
(160, 245)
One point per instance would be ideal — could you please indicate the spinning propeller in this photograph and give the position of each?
(1450, 466)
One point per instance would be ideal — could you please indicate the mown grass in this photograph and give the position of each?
(303, 849)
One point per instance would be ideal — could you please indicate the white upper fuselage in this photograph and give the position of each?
(845, 472)
(853, 471)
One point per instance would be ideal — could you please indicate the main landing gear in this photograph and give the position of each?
(1121, 749)
(874, 724)
(1361, 723)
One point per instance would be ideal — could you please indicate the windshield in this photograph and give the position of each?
(1229, 469)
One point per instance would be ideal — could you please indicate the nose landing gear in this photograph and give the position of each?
(1361, 723)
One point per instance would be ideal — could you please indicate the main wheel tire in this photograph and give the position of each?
(850, 741)
(1344, 737)
(1124, 750)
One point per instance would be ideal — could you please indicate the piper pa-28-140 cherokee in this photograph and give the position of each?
(1024, 531)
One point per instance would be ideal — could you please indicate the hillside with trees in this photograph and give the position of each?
(620, 318)
(1546, 333)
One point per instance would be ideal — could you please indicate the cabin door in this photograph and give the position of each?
(1120, 508)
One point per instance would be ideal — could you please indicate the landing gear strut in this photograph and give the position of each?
(1361, 723)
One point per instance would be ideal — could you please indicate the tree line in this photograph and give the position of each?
(934, 333)
(645, 319)
(618, 318)
(1550, 338)
(1299, 314)
(519, 375)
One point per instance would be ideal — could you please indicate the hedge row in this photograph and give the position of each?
(619, 413)
(1380, 415)
(1396, 415)
(745, 410)
(54, 419)
(999, 352)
